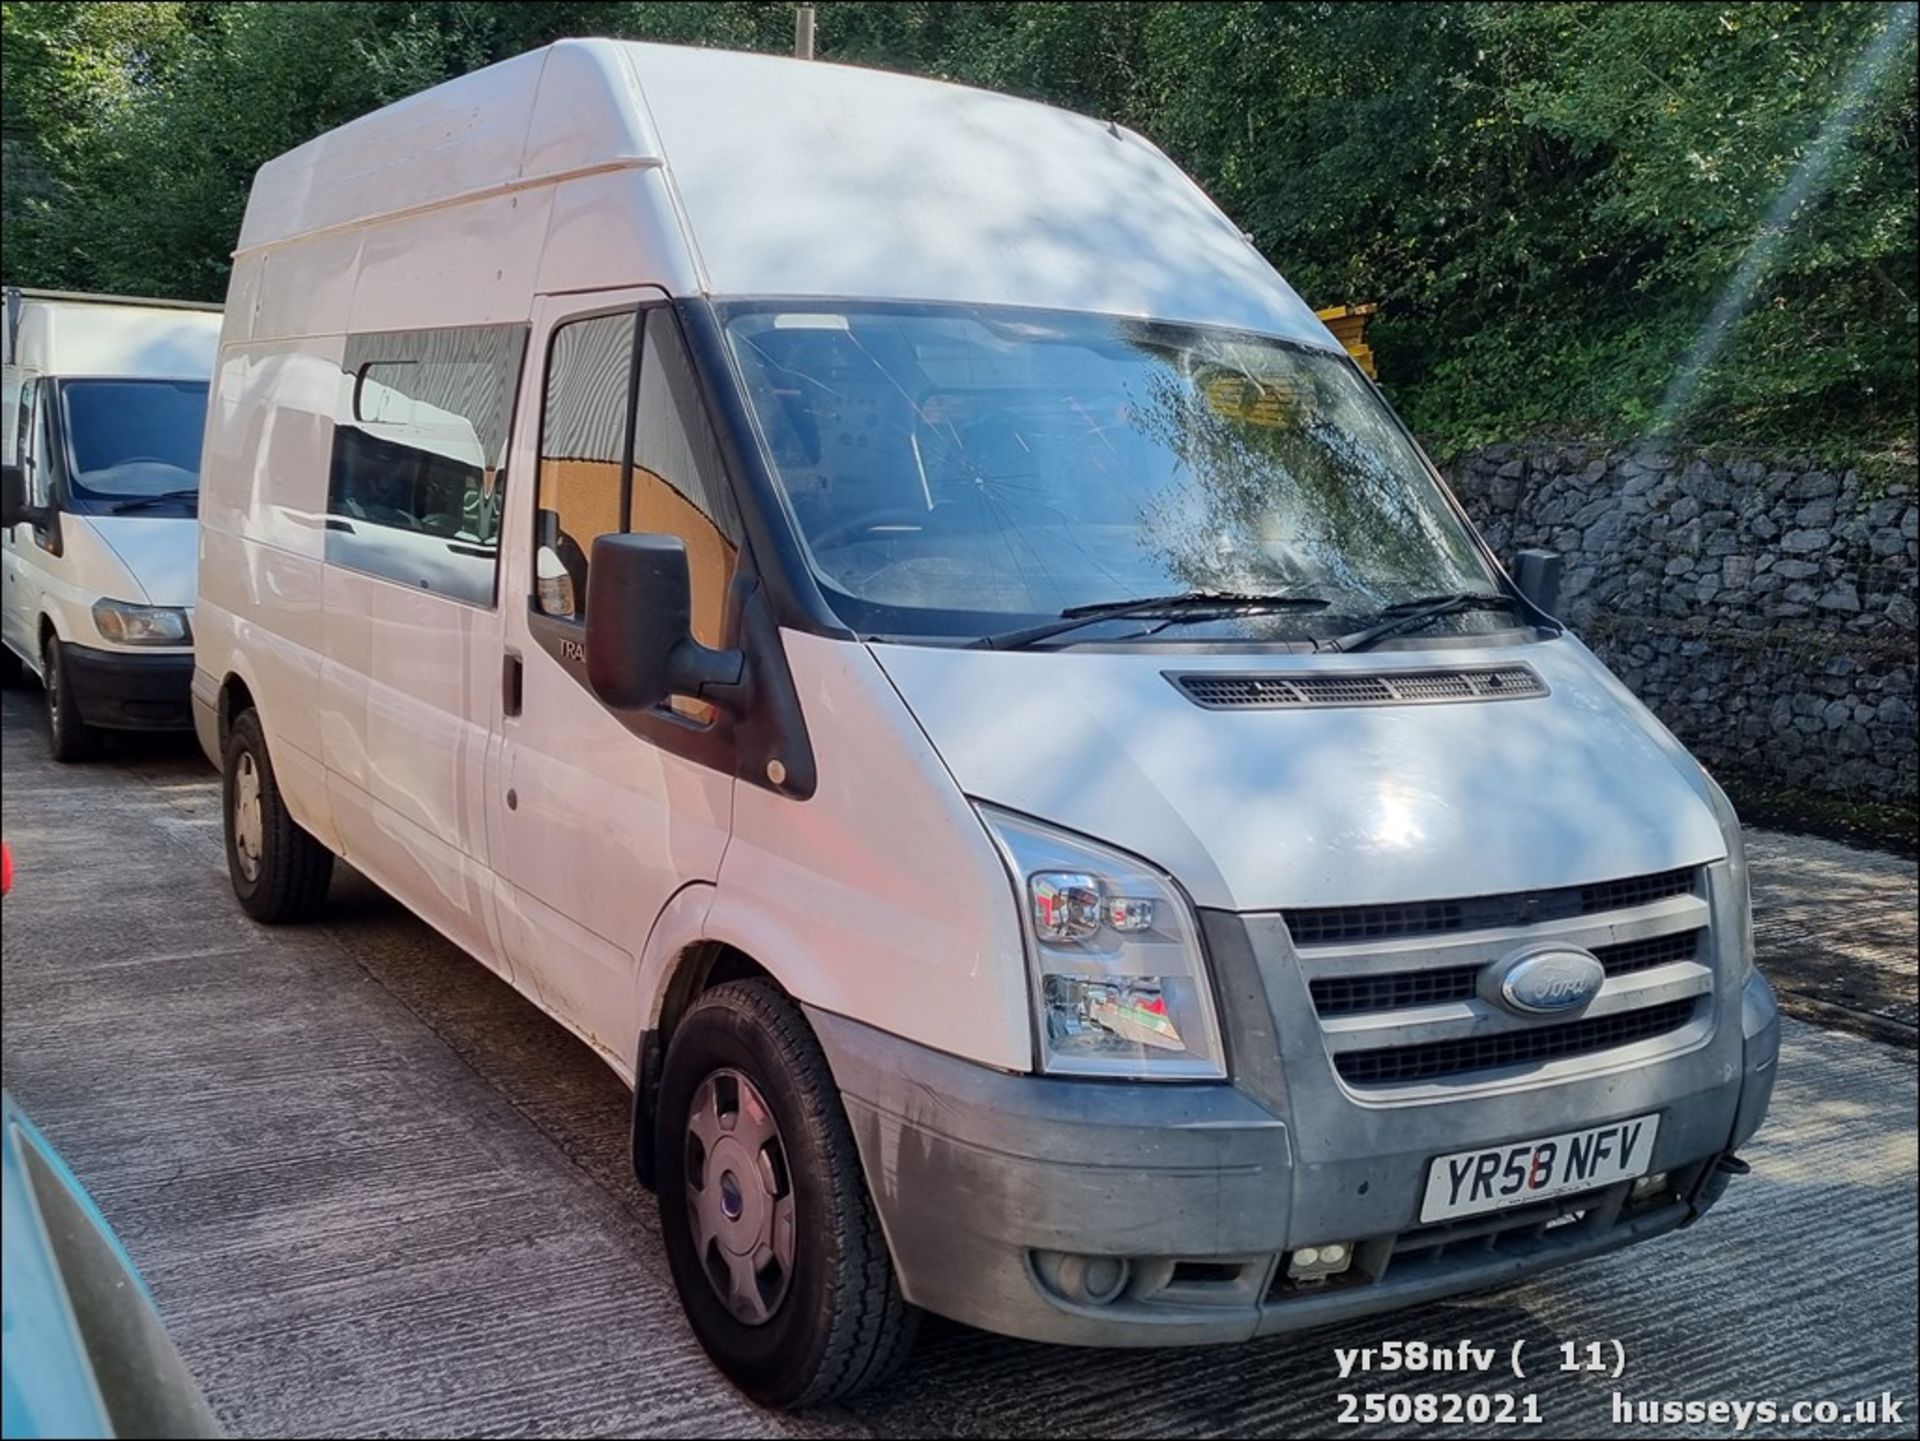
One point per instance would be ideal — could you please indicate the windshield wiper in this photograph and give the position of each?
(1193, 605)
(141, 502)
(1406, 615)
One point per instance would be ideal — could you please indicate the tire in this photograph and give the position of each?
(280, 873)
(69, 738)
(835, 1320)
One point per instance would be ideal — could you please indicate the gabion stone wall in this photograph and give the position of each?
(1763, 607)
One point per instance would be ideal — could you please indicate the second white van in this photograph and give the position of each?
(105, 405)
(872, 604)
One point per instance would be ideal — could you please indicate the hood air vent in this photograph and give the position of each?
(1226, 690)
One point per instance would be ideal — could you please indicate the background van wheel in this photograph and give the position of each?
(69, 738)
(280, 873)
(772, 1237)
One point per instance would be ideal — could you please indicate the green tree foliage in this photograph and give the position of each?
(1548, 199)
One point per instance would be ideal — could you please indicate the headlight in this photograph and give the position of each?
(128, 624)
(1741, 892)
(1119, 982)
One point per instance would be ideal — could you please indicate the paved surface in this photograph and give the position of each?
(1835, 927)
(376, 1192)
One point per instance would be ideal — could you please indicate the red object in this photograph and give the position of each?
(6, 868)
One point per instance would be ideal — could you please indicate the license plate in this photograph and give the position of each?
(1469, 1182)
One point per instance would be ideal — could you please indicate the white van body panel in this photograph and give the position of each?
(1256, 810)
(157, 556)
(75, 337)
(881, 897)
(60, 590)
(1016, 203)
(614, 159)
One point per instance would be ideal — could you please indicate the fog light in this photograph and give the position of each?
(1648, 1186)
(1315, 1263)
(1087, 1280)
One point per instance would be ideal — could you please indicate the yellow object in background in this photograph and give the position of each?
(1349, 326)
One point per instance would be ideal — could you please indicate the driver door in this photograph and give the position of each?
(597, 827)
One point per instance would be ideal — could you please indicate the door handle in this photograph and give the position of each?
(511, 690)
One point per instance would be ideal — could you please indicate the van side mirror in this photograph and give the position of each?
(13, 497)
(1537, 573)
(640, 645)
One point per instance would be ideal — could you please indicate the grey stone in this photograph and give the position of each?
(1814, 515)
(1805, 541)
(1841, 597)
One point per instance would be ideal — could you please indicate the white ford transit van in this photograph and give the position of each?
(873, 605)
(105, 403)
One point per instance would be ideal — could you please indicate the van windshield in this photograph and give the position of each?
(134, 443)
(954, 470)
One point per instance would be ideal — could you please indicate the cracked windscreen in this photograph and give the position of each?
(954, 470)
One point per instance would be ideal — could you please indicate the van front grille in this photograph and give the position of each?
(1276, 691)
(1439, 1059)
(1402, 990)
(1328, 925)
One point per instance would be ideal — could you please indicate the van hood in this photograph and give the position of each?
(161, 552)
(1258, 809)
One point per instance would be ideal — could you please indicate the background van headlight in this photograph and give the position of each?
(125, 623)
(1120, 984)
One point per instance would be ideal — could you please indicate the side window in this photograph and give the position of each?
(583, 434)
(669, 481)
(38, 456)
(414, 493)
(679, 485)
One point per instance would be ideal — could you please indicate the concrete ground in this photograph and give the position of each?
(1836, 926)
(376, 1192)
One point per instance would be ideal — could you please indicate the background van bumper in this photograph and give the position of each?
(122, 690)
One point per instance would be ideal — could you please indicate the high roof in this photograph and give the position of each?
(803, 178)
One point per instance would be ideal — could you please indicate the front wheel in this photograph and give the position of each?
(772, 1237)
(69, 738)
(280, 873)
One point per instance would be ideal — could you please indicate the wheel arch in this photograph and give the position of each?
(235, 697)
(682, 962)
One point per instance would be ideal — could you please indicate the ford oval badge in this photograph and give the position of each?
(1546, 980)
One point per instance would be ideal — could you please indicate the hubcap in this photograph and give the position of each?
(247, 826)
(739, 1196)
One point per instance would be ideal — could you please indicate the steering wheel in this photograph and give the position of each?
(843, 531)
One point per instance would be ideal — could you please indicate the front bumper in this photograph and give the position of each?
(984, 1181)
(124, 690)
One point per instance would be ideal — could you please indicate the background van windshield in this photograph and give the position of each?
(952, 469)
(131, 439)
